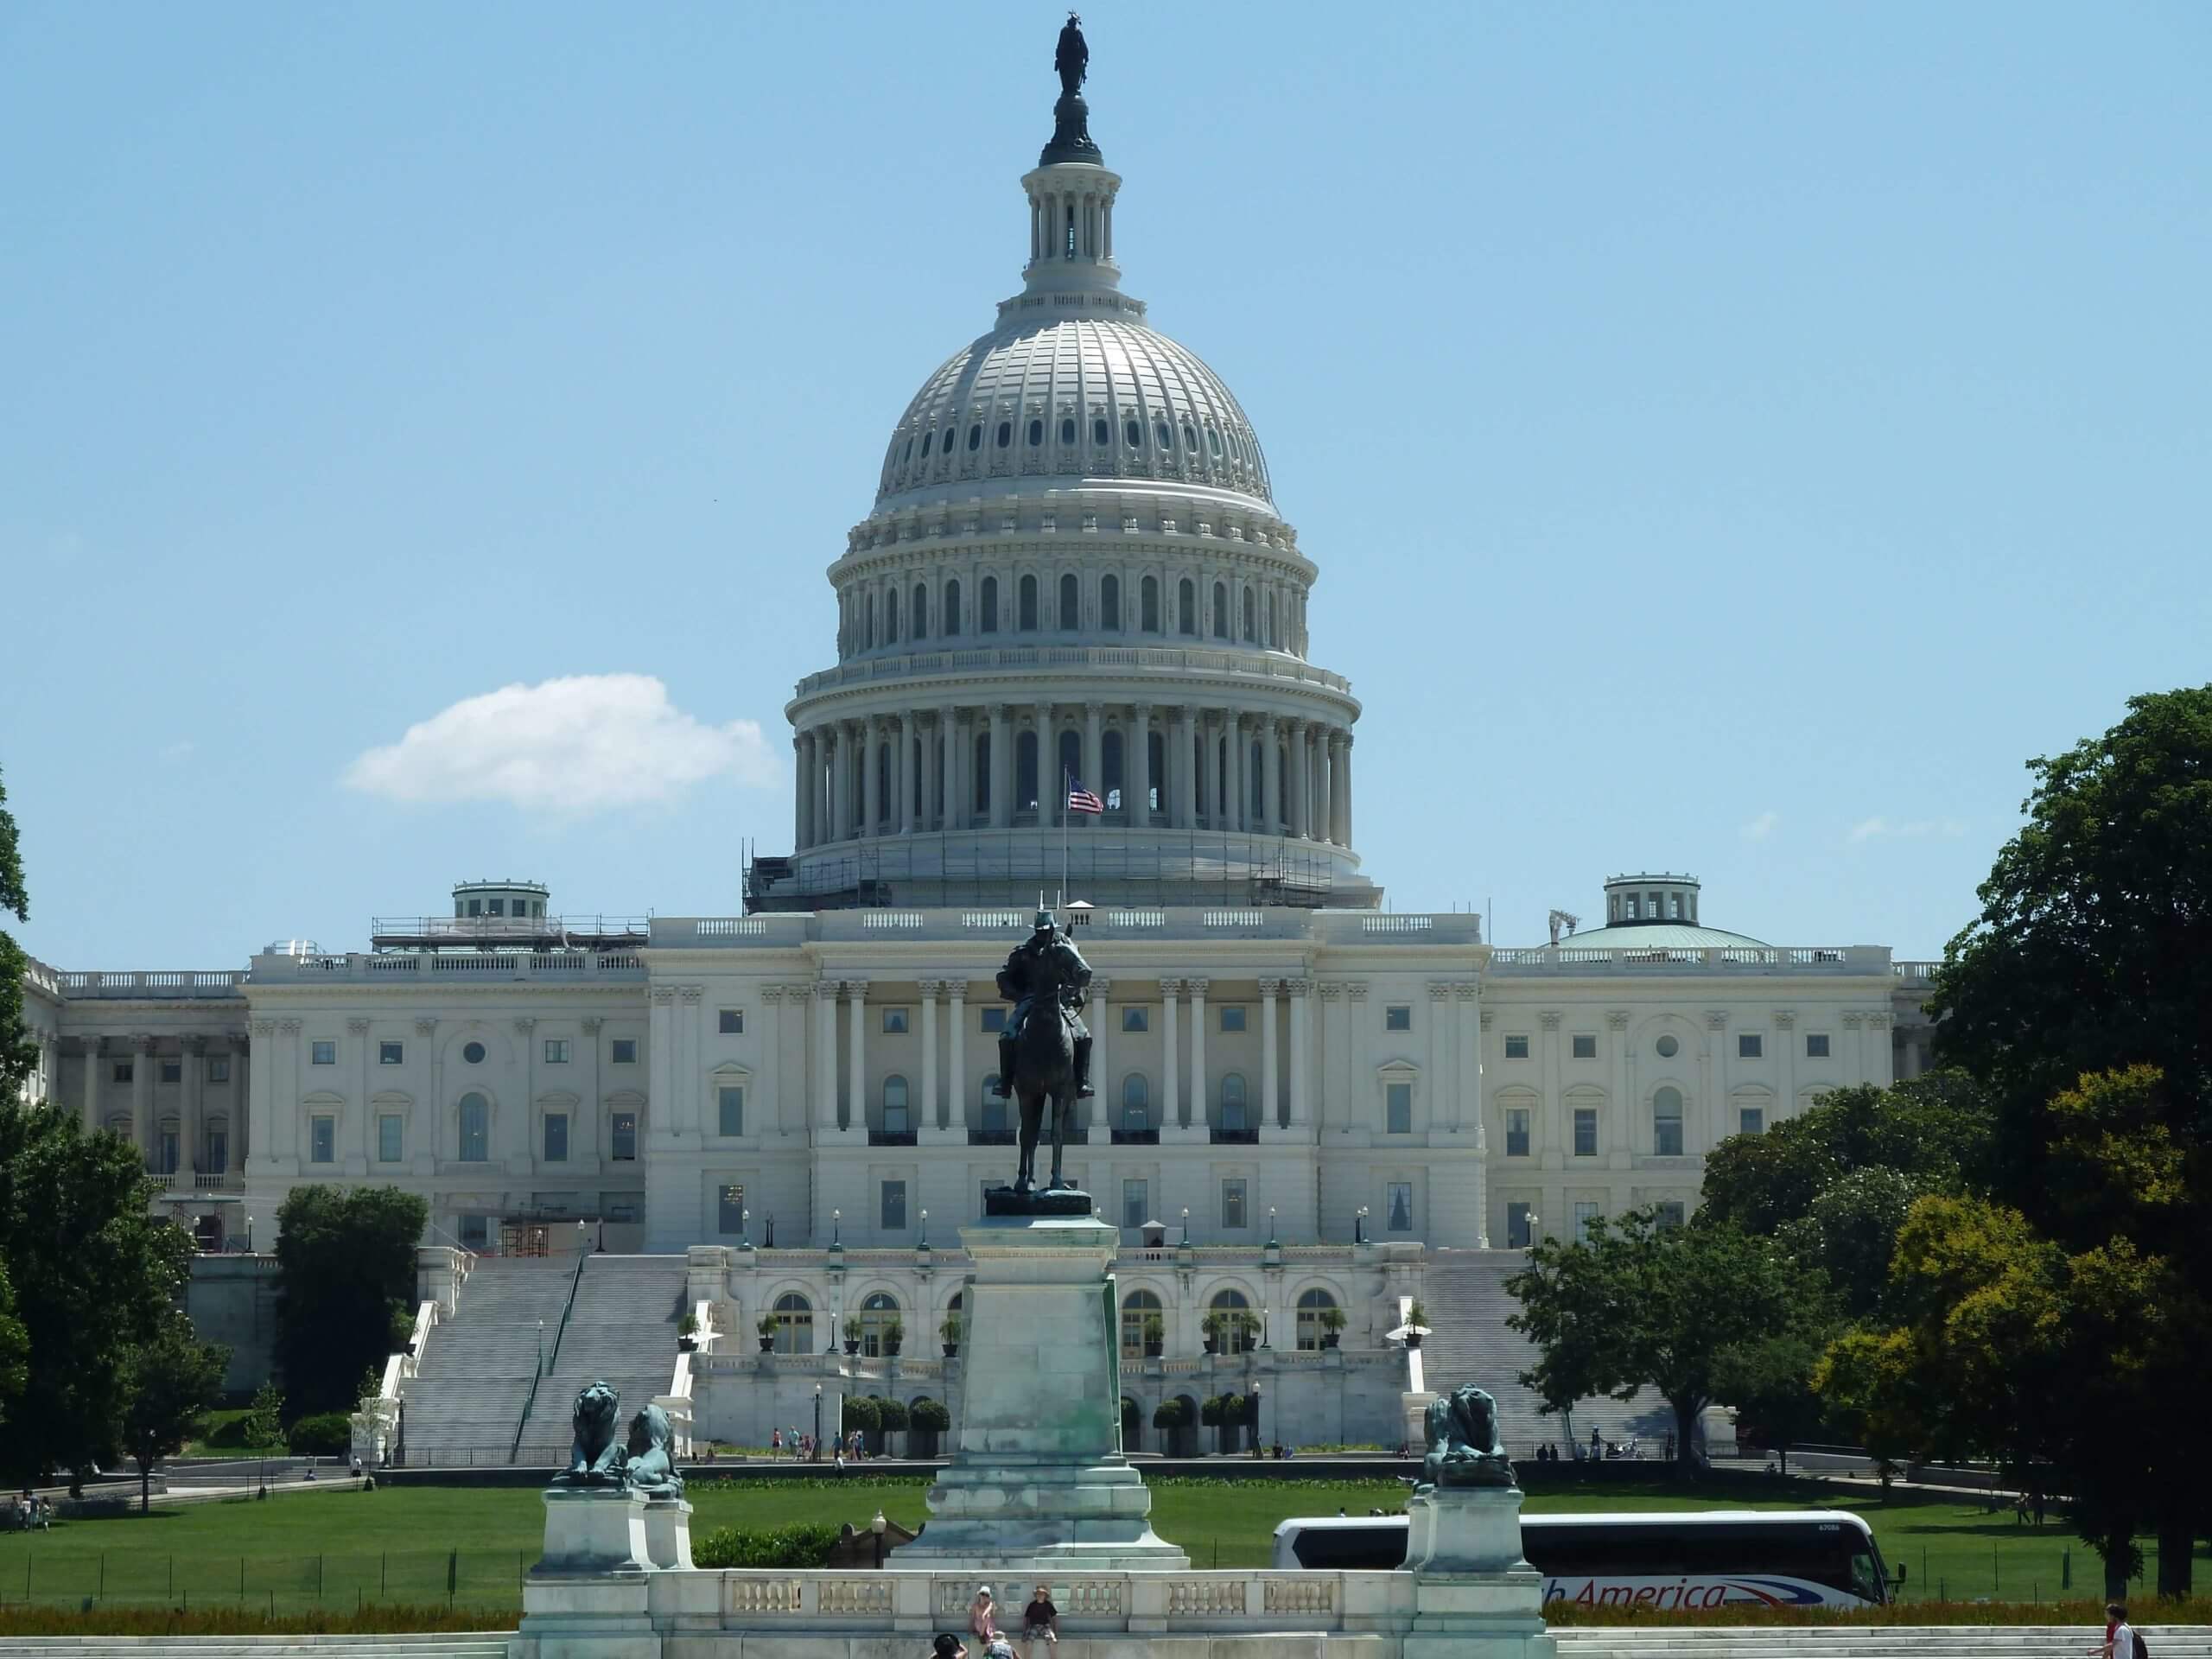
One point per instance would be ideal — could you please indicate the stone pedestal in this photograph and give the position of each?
(1475, 1595)
(668, 1533)
(587, 1597)
(1037, 1481)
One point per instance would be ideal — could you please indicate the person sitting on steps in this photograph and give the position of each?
(1025, 975)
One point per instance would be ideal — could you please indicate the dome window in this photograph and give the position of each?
(1213, 440)
(909, 455)
(1036, 433)
(1067, 429)
(928, 437)
(1190, 439)
(975, 438)
(1134, 433)
(1166, 436)
(1099, 436)
(1005, 433)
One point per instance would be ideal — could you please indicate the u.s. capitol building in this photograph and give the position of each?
(1074, 566)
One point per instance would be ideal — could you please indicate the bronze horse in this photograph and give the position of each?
(1043, 1068)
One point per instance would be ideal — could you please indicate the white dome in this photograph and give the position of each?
(1076, 397)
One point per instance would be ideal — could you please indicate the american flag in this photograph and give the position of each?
(1082, 800)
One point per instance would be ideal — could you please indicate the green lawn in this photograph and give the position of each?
(340, 1547)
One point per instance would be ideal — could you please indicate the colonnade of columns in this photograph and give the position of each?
(956, 767)
(101, 1097)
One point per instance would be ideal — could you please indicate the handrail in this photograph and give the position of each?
(514, 1451)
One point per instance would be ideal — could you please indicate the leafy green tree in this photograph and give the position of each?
(1644, 1305)
(264, 1424)
(94, 1275)
(345, 1287)
(1768, 1379)
(169, 1382)
(18, 1053)
(15, 1345)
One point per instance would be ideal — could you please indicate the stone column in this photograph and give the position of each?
(523, 1144)
(1136, 768)
(1854, 1064)
(194, 1071)
(928, 988)
(899, 730)
(1298, 784)
(824, 1058)
(356, 1156)
(954, 808)
(871, 773)
(1184, 769)
(421, 1145)
(284, 1094)
(955, 1117)
(90, 1103)
(1316, 783)
(1099, 1019)
(1270, 1108)
(1238, 789)
(142, 1096)
(856, 1054)
(1170, 1116)
(1785, 1039)
(1334, 1047)
(261, 1125)
(1340, 789)
(1094, 756)
(1443, 1058)
(1271, 791)
(1879, 1071)
(586, 1142)
(664, 1116)
(841, 782)
(1001, 769)
(1197, 988)
(1049, 781)
(803, 792)
(1301, 1056)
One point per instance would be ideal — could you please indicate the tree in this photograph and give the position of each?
(18, 1053)
(345, 1287)
(94, 1274)
(1768, 1380)
(168, 1383)
(15, 1345)
(264, 1424)
(1641, 1304)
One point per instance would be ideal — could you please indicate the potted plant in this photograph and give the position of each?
(894, 1337)
(1155, 1336)
(1333, 1325)
(1416, 1323)
(687, 1334)
(1248, 1328)
(852, 1346)
(949, 1331)
(1211, 1328)
(766, 1327)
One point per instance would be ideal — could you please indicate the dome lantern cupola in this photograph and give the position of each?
(1641, 900)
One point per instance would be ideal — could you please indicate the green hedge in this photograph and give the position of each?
(327, 1434)
(805, 1545)
(892, 1416)
(859, 1412)
(930, 1415)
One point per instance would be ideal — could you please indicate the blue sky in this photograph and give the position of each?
(1734, 438)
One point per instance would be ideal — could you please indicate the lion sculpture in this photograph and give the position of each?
(648, 1466)
(594, 1455)
(1462, 1444)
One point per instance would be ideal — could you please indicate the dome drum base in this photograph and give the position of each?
(1070, 134)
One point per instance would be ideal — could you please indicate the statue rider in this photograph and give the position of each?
(1023, 976)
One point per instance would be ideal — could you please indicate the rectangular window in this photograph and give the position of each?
(1232, 1204)
(165, 1150)
(1517, 1227)
(1232, 1019)
(556, 1137)
(1397, 1108)
(1398, 1016)
(1750, 1120)
(1666, 1124)
(1134, 1200)
(1585, 1213)
(729, 1102)
(557, 1050)
(389, 1127)
(121, 1071)
(552, 1204)
(894, 1206)
(475, 1231)
(473, 1129)
(623, 1131)
(620, 1207)
(1516, 1046)
(729, 1210)
(1585, 1131)
(172, 1071)
(495, 906)
(219, 1068)
(992, 1018)
(324, 1051)
(1586, 1045)
(1398, 1207)
(1136, 1019)
(1817, 1044)
(219, 1149)
(1670, 1217)
(1516, 1132)
(895, 1023)
(1750, 1045)
(730, 1022)
(322, 1139)
(391, 1054)
(623, 1051)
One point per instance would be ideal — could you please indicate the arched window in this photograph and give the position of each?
(1067, 430)
(928, 438)
(118, 1124)
(1109, 602)
(895, 1117)
(475, 1128)
(975, 438)
(1027, 622)
(1251, 618)
(1109, 783)
(794, 1317)
(1667, 1122)
(870, 635)
(1237, 1330)
(921, 613)
(987, 606)
(891, 617)
(1155, 744)
(1132, 433)
(877, 1314)
(1025, 770)
(1100, 436)
(1221, 610)
(1036, 433)
(1140, 1309)
(981, 801)
(1234, 1114)
(951, 618)
(1161, 431)
(992, 1113)
(1070, 760)
(1186, 608)
(1070, 617)
(1005, 433)
(1137, 1104)
(1313, 1306)
(1148, 605)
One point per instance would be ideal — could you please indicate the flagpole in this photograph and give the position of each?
(1066, 786)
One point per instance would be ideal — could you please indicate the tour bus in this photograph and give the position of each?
(1781, 1558)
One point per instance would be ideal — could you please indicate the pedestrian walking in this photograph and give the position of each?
(2120, 1640)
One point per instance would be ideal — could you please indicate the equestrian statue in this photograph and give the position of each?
(1044, 1051)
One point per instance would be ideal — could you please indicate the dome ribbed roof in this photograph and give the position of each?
(1659, 935)
(1064, 398)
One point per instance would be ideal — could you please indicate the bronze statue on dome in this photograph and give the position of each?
(1071, 57)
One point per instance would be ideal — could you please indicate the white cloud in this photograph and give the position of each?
(176, 754)
(1912, 829)
(1762, 826)
(581, 744)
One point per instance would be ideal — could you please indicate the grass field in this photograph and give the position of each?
(343, 1547)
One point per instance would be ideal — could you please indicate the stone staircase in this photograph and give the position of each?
(1464, 1294)
(1872, 1642)
(621, 1332)
(464, 1402)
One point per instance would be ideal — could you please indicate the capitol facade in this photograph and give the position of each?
(1074, 567)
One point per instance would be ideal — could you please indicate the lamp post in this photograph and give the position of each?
(1257, 1393)
(818, 1422)
(249, 1235)
(923, 1243)
(540, 1348)
(1186, 1224)
(1359, 1225)
(584, 1236)
(744, 1226)
(876, 1526)
(1535, 1222)
(836, 1230)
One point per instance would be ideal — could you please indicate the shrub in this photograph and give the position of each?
(1170, 1413)
(1209, 1410)
(688, 1325)
(892, 1416)
(264, 1424)
(803, 1545)
(859, 1412)
(327, 1434)
(929, 1414)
